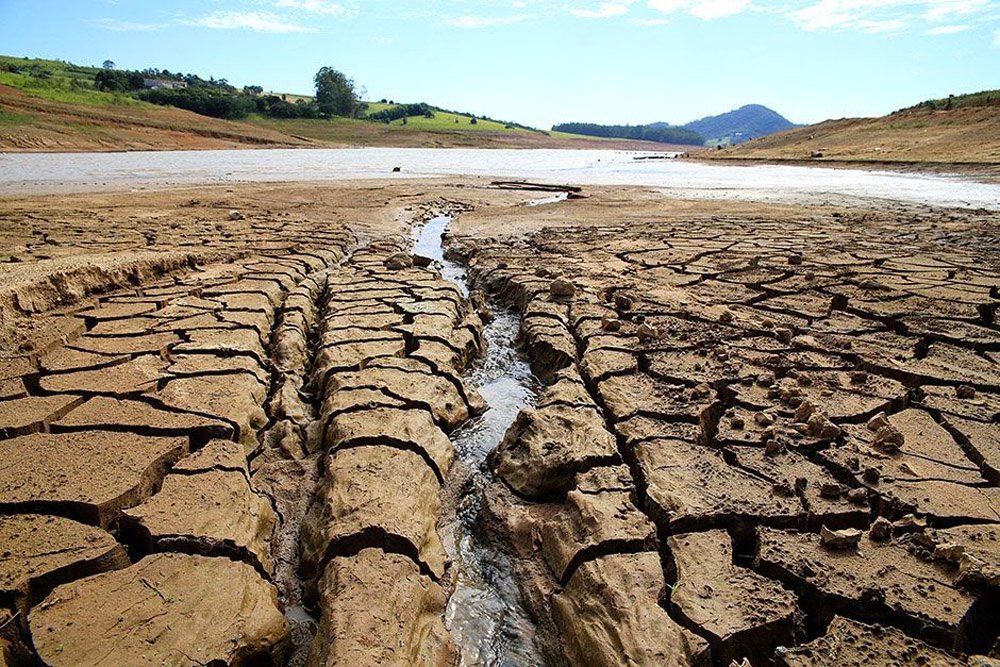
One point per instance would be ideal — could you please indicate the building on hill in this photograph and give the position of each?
(153, 84)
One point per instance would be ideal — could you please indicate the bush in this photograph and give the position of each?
(402, 111)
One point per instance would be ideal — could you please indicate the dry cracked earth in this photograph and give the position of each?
(758, 440)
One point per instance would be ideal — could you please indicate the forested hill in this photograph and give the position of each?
(743, 124)
(661, 133)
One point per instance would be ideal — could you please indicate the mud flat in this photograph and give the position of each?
(252, 425)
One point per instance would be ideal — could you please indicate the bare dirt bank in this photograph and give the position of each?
(962, 141)
(35, 125)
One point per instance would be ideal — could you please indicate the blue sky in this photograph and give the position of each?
(546, 61)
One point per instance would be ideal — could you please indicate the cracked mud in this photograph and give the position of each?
(764, 438)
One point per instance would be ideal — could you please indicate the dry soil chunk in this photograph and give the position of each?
(90, 476)
(411, 429)
(236, 399)
(984, 407)
(213, 513)
(924, 439)
(591, 523)
(690, 487)
(981, 440)
(215, 455)
(744, 614)
(136, 376)
(33, 413)
(148, 344)
(546, 446)
(166, 609)
(379, 610)
(413, 381)
(382, 496)
(788, 468)
(848, 643)
(876, 574)
(224, 342)
(609, 614)
(41, 552)
(628, 395)
(102, 412)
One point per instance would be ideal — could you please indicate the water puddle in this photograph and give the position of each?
(484, 615)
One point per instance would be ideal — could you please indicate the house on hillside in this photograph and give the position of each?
(153, 84)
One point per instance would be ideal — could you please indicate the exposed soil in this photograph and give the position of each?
(960, 141)
(45, 126)
(765, 434)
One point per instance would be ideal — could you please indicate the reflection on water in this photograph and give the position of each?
(484, 614)
(38, 173)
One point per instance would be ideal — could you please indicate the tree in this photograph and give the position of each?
(112, 81)
(109, 64)
(336, 94)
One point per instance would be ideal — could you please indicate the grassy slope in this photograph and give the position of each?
(968, 132)
(59, 110)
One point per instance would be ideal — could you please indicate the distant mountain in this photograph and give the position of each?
(743, 124)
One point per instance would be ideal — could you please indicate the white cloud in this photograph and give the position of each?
(882, 27)
(315, 7)
(941, 10)
(703, 9)
(485, 21)
(382, 39)
(948, 29)
(605, 10)
(652, 22)
(127, 26)
(884, 15)
(257, 21)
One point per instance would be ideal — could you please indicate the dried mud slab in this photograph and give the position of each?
(378, 609)
(609, 613)
(210, 513)
(41, 552)
(740, 612)
(165, 609)
(854, 644)
(89, 476)
(690, 487)
(376, 497)
(545, 448)
(592, 522)
(877, 578)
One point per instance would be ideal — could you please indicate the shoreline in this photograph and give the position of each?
(981, 172)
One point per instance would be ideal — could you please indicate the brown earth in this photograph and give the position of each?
(46, 126)
(965, 140)
(764, 434)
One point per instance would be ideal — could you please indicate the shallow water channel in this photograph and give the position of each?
(484, 615)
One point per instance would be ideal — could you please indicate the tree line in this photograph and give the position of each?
(336, 95)
(664, 135)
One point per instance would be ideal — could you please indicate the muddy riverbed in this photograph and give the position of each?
(623, 428)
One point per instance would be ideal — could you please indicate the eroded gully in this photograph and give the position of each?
(484, 614)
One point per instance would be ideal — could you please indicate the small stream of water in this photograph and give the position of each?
(484, 615)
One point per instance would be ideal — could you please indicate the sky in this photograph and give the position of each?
(541, 62)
